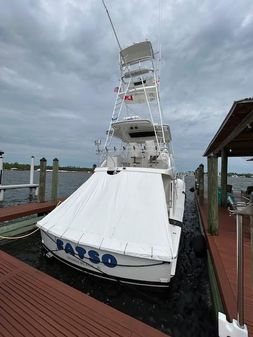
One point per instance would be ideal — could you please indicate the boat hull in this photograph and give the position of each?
(110, 265)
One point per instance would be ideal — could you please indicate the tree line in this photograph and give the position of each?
(24, 167)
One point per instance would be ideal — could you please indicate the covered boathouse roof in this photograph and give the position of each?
(235, 134)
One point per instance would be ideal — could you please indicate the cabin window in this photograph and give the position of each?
(139, 82)
(142, 134)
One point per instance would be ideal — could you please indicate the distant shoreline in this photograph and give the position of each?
(26, 167)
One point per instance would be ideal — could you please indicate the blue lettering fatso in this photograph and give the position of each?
(80, 252)
(59, 244)
(107, 259)
(69, 249)
(94, 256)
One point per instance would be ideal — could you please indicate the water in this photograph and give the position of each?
(239, 183)
(68, 183)
(185, 309)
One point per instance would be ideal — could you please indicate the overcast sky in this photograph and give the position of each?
(59, 65)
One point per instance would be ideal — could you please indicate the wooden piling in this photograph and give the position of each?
(201, 182)
(213, 226)
(54, 181)
(1, 175)
(196, 174)
(224, 171)
(42, 183)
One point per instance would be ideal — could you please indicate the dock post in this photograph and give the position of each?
(201, 183)
(196, 174)
(1, 175)
(54, 180)
(213, 226)
(31, 177)
(32, 170)
(42, 183)
(224, 172)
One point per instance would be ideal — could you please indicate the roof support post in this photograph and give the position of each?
(213, 226)
(201, 182)
(224, 172)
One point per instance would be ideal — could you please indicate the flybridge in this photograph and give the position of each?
(136, 53)
(137, 66)
(139, 130)
(137, 116)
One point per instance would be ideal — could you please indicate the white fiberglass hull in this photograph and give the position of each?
(117, 226)
(110, 265)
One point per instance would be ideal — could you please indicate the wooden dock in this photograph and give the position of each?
(15, 212)
(35, 304)
(223, 254)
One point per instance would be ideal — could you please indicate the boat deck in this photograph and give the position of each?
(35, 304)
(223, 252)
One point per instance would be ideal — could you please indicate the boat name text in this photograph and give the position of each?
(107, 259)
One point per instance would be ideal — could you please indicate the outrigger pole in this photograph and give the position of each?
(114, 31)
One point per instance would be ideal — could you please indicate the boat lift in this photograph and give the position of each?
(238, 328)
(33, 188)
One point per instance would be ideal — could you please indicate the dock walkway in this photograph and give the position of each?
(18, 211)
(223, 253)
(35, 304)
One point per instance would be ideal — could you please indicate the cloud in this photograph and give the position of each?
(59, 65)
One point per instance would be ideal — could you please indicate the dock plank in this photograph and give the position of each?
(54, 298)
(34, 304)
(223, 253)
(19, 211)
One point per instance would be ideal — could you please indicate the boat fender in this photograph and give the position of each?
(198, 244)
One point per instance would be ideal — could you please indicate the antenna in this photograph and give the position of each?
(114, 31)
(159, 41)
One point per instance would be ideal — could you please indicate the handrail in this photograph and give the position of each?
(240, 210)
(17, 186)
(237, 328)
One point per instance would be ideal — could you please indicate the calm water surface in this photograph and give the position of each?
(68, 183)
(185, 309)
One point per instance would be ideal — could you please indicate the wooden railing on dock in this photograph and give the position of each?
(34, 304)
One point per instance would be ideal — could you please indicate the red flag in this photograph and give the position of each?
(128, 98)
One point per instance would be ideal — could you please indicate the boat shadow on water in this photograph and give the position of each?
(183, 309)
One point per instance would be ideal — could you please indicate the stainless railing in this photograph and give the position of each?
(239, 210)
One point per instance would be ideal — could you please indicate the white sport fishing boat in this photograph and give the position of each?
(124, 222)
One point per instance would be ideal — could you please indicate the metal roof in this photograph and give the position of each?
(235, 134)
